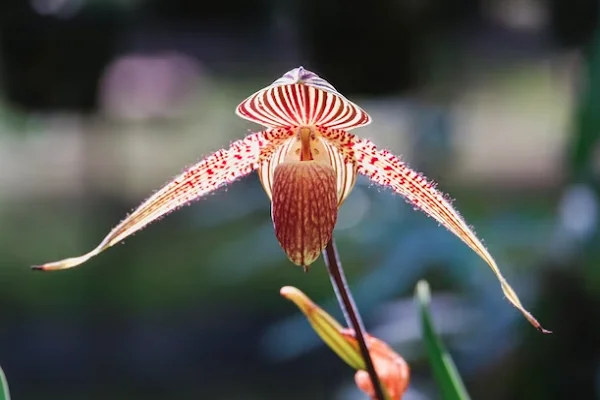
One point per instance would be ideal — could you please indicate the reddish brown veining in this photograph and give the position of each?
(304, 208)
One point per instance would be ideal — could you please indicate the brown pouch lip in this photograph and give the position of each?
(304, 208)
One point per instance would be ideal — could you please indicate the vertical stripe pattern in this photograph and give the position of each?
(266, 169)
(345, 170)
(302, 98)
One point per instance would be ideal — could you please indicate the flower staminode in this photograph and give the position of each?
(305, 139)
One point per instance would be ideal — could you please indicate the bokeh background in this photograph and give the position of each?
(103, 101)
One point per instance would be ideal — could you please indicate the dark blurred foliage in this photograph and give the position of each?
(373, 50)
(190, 307)
(574, 22)
(54, 64)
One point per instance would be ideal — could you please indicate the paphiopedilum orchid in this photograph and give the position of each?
(307, 161)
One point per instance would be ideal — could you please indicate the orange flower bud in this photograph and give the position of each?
(391, 369)
(304, 208)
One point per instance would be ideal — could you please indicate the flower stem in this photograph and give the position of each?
(351, 314)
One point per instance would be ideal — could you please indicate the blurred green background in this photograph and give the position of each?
(103, 101)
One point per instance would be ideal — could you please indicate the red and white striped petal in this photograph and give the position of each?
(386, 169)
(345, 171)
(302, 98)
(266, 169)
(214, 171)
(322, 150)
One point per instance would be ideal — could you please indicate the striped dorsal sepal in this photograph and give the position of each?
(302, 98)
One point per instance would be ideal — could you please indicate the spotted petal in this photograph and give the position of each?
(302, 98)
(214, 171)
(386, 169)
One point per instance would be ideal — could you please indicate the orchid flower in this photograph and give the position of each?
(307, 161)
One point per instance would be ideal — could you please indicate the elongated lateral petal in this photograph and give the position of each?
(302, 98)
(386, 169)
(214, 171)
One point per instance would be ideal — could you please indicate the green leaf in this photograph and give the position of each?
(444, 370)
(4, 393)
